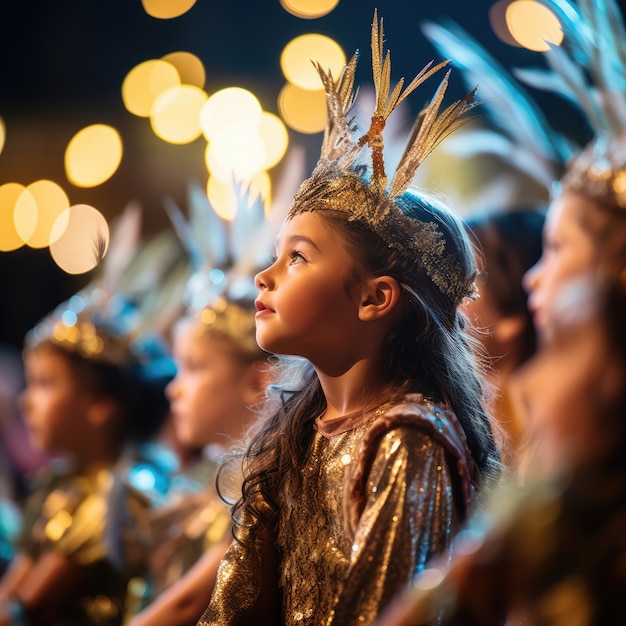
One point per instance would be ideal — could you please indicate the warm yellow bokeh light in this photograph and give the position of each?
(145, 82)
(49, 202)
(309, 9)
(93, 155)
(497, 19)
(79, 232)
(235, 155)
(296, 57)
(275, 138)
(223, 195)
(533, 25)
(167, 9)
(302, 110)
(9, 237)
(175, 116)
(189, 67)
(3, 133)
(230, 107)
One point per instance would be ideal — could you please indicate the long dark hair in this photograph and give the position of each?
(428, 352)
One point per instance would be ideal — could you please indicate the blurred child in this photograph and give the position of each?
(221, 375)
(509, 244)
(91, 390)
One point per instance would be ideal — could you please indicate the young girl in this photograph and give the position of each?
(90, 392)
(369, 464)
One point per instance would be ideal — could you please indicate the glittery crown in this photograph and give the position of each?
(336, 183)
(599, 172)
(112, 320)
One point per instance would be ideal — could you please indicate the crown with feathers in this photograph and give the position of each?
(589, 70)
(226, 255)
(515, 131)
(371, 201)
(117, 318)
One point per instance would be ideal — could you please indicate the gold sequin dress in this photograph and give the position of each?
(94, 521)
(380, 495)
(193, 520)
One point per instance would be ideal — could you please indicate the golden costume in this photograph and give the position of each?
(193, 520)
(94, 521)
(379, 496)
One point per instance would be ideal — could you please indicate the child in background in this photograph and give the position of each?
(93, 387)
(366, 466)
(221, 375)
(509, 244)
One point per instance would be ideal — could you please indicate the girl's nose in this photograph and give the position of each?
(531, 277)
(170, 389)
(261, 280)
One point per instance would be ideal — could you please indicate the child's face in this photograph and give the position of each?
(209, 395)
(53, 402)
(568, 252)
(305, 307)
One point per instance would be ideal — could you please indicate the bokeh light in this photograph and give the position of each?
(9, 237)
(37, 209)
(223, 197)
(309, 9)
(230, 107)
(275, 138)
(189, 67)
(167, 9)
(533, 25)
(296, 57)
(93, 155)
(235, 154)
(497, 19)
(302, 110)
(175, 115)
(3, 133)
(79, 232)
(145, 82)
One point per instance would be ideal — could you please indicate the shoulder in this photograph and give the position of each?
(418, 416)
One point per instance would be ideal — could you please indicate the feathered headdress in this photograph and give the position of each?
(114, 319)
(589, 69)
(520, 135)
(337, 183)
(226, 255)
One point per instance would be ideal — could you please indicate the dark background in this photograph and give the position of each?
(62, 65)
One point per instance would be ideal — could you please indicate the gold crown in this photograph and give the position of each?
(599, 172)
(336, 184)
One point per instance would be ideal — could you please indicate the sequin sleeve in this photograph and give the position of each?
(408, 514)
(246, 589)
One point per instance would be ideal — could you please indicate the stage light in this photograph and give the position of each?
(81, 237)
(302, 110)
(93, 155)
(175, 115)
(296, 57)
(145, 82)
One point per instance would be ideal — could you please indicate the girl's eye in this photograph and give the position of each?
(296, 257)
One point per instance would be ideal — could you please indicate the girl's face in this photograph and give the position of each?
(567, 254)
(53, 402)
(305, 306)
(211, 389)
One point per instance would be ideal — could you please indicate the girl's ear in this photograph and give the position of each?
(101, 411)
(379, 297)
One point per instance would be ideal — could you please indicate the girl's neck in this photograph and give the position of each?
(356, 389)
